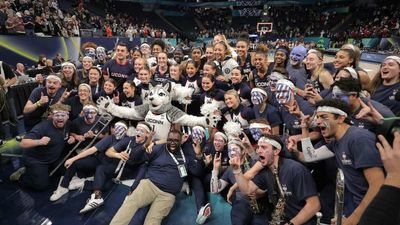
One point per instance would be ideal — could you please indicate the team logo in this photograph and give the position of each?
(345, 160)
(227, 71)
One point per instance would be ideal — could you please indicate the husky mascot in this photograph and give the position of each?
(158, 111)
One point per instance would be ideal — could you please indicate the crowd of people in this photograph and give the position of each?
(26, 17)
(268, 136)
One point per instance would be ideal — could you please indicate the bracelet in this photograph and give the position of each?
(236, 172)
(38, 104)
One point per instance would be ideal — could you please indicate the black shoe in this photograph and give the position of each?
(2, 142)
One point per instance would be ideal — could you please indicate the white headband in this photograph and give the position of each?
(68, 64)
(121, 124)
(259, 125)
(352, 71)
(54, 77)
(87, 57)
(259, 90)
(85, 85)
(395, 58)
(90, 107)
(144, 127)
(271, 142)
(221, 135)
(330, 109)
(286, 82)
(277, 74)
(145, 45)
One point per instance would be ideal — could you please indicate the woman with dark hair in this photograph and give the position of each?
(241, 87)
(259, 76)
(160, 72)
(109, 90)
(211, 94)
(244, 58)
(386, 84)
(96, 80)
(281, 59)
(348, 58)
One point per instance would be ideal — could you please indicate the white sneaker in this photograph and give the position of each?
(57, 194)
(76, 183)
(92, 203)
(204, 213)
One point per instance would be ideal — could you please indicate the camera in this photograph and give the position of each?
(388, 128)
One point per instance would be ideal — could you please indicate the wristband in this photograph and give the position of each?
(236, 172)
(38, 104)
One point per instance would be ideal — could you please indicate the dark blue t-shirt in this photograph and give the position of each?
(297, 184)
(80, 127)
(163, 171)
(292, 123)
(354, 152)
(386, 95)
(118, 72)
(76, 107)
(51, 152)
(271, 114)
(35, 116)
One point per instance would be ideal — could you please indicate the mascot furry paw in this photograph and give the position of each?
(158, 112)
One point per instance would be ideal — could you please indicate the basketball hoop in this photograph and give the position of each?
(264, 28)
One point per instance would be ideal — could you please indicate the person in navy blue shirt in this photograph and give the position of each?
(40, 100)
(83, 128)
(244, 210)
(43, 147)
(119, 68)
(386, 84)
(285, 180)
(262, 109)
(88, 161)
(355, 152)
(348, 90)
(292, 107)
(241, 87)
(235, 111)
(211, 94)
(95, 80)
(168, 167)
(259, 76)
(76, 102)
(160, 72)
(244, 57)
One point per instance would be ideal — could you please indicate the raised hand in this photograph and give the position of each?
(369, 113)
(43, 99)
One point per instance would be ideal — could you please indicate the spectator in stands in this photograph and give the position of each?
(58, 60)
(42, 148)
(20, 70)
(29, 23)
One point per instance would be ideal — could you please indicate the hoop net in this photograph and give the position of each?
(264, 28)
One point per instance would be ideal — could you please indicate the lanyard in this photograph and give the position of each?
(175, 160)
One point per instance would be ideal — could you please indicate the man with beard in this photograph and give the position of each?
(42, 148)
(40, 100)
(119, 68)
(289, 184)
(355, 152)
(168, 167)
